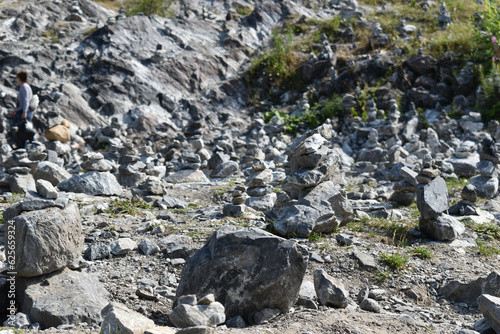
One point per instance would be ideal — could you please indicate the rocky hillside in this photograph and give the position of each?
(251, 167)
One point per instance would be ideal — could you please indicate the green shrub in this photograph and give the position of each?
(280, 62)
(311, 118)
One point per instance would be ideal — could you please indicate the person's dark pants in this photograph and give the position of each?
(24, 143)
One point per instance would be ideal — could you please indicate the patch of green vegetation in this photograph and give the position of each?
(14, 330)
(381, 276)
(396, 260)
(220, 191)
(458, 38)
(486, 249)
(52, 35)
(278, 65)
(15, 199)
(455, 185)
(149, 7)
(119, 207)
(422, 252)
(490, 229)
(244, 11)
(315, 237)
(110, 4)
(311, 118)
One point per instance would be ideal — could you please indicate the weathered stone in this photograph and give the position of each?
(329, 290)
(47, 240)
(247, 269)
(46, 189)
(148, 247)
(92, 183)
(442, 227)
(51, 172)
(62, 298)
(198, 315)
(485, 186)
(119, 319)
(265, 315)
(122, 246)
(324, 209)
(490, 307)
(225, 169)
(432, 198)
(370, 305)
(97, 251)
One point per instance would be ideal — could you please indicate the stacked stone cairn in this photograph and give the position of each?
(432, 202)
(486, 184)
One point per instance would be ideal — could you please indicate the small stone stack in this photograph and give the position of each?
(486, 184)
(199, 315)
(405, 191)
(378, 39)
(432, 202)
(314, 200)
(259, 188)
(237, 207)
(467, 206)
(131, 167)
(372, 150)
(96, 162)
(444, 18)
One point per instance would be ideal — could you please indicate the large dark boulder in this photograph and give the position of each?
(247, 270)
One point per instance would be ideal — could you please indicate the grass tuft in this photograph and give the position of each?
(422, 252)
(396, 261)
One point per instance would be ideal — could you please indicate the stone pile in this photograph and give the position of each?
(432, 202)
(316, 201)
(486, 183)
(200, 314)
(259, 188)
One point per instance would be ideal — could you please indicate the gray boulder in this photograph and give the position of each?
(329, 290)
(92, 183)
(324, 209)
(51, 172)
(490, 307)
(47, 240)
(442, 227)
(62, 298)
(247, 269)
(432, 198)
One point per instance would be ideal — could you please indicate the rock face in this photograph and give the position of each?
(63, 297)
(47, 240)
(247, 269)
(119, 319)
(490, 307)
(92, 183)
(324, 209)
